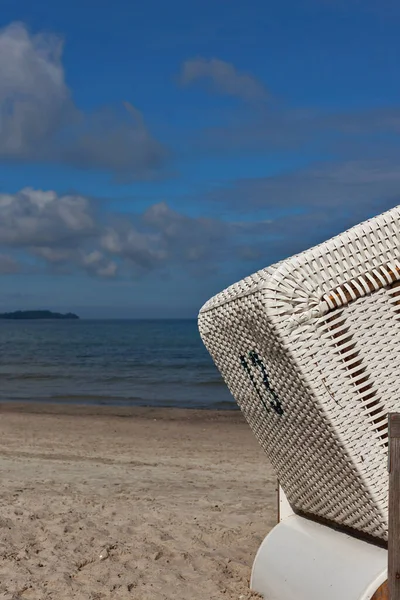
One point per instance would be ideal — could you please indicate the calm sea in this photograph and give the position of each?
(124, 363)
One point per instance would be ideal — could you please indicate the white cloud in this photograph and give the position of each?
(224, 78)
(39, 121)
(65, 234)
(34, 98)
(38, 218)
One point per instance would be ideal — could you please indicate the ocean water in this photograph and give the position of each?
(121, 362)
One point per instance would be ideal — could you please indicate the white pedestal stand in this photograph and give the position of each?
(302, 560)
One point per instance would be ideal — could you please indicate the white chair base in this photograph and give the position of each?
(303, 560)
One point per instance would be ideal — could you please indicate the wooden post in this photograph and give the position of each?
(381, 593)
(394, 507)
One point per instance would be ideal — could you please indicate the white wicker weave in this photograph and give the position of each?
(310, 349)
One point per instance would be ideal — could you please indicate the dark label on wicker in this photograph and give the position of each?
(254, 362)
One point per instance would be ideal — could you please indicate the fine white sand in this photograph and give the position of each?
(143, 504)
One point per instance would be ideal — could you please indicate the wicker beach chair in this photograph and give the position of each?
(310, 350)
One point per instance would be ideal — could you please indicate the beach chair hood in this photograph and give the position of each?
(310, 350)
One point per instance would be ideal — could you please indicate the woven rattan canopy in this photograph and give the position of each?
(310, 349)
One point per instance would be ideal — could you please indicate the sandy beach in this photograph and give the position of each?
(145, 504)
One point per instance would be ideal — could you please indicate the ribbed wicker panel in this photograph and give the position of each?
(310, 349)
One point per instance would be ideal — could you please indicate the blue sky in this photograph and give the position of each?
(153, 153)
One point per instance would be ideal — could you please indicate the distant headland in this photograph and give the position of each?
(36, 314)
